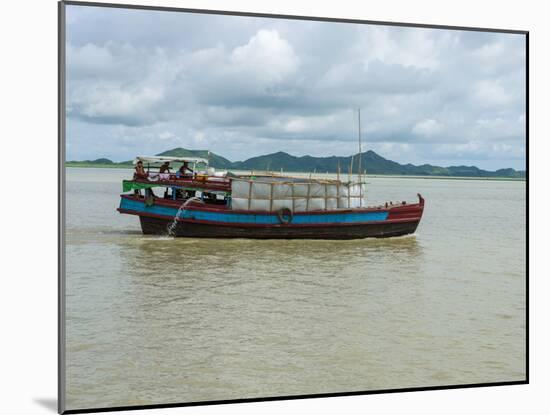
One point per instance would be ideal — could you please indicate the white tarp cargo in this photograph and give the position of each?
(300, 196)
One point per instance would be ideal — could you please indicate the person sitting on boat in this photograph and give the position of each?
(184, 169)
(165, 168)
(164, 171)
(140, 171)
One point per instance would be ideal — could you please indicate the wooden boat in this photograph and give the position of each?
(223, 205)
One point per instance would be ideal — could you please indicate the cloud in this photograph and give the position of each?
(110, 104)
(428, 128)
(166, 135)
(266, 55)
(244, 86)
(492, 93)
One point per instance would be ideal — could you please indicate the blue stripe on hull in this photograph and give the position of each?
(253, 218)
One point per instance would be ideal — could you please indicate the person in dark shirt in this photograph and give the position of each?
(165, 168)
(185, 169)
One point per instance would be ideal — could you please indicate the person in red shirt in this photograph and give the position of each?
(140, 171)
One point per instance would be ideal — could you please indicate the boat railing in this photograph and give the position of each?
(165, 177)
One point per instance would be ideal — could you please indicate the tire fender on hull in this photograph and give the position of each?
(285, 216)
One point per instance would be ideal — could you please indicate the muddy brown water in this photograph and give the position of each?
(154, 320)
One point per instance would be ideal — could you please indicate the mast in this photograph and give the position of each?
(359, 161)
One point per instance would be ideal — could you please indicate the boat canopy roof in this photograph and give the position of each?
(162, 159)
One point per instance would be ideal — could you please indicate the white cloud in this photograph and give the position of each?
(166, 135)
(419, 48)
(112, 104)
(480, 150)
(491, 92)
(490, 51)
(266, 54)
(428, 128)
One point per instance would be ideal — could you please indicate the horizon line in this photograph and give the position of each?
(307, 155)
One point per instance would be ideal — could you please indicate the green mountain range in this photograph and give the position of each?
(370, 161)
(215, 161)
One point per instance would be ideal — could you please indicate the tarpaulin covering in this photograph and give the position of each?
(270, 195)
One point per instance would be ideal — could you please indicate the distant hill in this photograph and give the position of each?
(370, 161)
(101, 162)
(214, 159)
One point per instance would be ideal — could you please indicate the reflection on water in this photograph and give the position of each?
(160, 319)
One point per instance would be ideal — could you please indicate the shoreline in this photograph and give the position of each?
(380, 176)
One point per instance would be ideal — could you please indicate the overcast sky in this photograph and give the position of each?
(141, 82)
